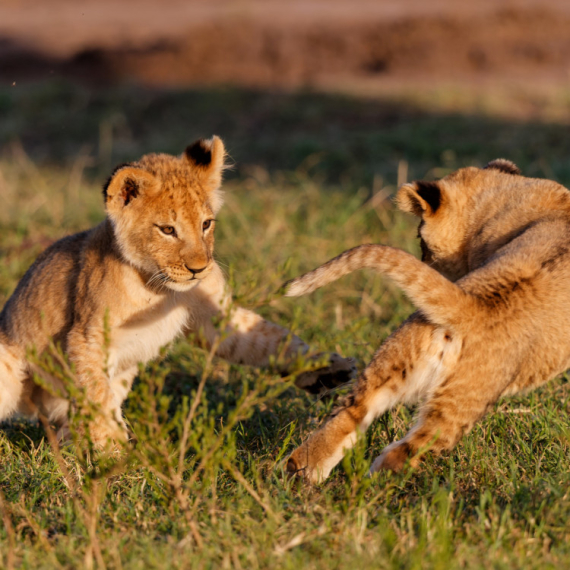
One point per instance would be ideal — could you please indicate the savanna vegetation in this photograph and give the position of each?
(203, 485)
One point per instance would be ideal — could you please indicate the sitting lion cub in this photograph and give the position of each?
(493, 294)
(114, 295)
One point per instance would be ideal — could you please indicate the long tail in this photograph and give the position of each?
(442, 301)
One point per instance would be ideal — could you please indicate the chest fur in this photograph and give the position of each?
(141, 337)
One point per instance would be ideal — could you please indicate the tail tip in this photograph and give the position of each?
(285, 289)
(292, 288)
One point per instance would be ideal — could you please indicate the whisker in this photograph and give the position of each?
(222, 264)
(153, 280)
(153, 276)
(158, 281)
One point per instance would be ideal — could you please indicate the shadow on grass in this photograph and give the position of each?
(23, 434)
(222, 392)
(339, 139)
(256, 434)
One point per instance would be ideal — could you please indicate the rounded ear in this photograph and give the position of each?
(125, 185)
(207, 157)
(503, 165)
(419, 198)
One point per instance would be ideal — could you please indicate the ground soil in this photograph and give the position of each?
(361, 44)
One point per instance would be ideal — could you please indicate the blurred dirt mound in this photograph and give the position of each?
(531, 42)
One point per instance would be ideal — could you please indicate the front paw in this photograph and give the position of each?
(339, 371)
(309, 464)
(104, 433)
(108, 435)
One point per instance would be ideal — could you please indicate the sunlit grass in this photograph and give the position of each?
(500, 499)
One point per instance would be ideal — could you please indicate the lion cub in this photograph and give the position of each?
(114, 295)
(493, 294)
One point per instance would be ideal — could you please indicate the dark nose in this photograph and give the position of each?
(195, 271)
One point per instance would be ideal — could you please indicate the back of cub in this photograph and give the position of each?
(493, 312)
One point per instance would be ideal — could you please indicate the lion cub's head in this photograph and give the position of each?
(470, 214)
(163, 208)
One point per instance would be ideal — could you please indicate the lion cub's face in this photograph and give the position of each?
(460, 214)
(163, 212)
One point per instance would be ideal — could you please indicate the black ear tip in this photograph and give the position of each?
(199, 153)
(430, 192)
(503, 165)
(108, 181)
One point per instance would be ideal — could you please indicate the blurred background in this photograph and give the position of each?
(325, 106)
(357, 85)
(350, 98)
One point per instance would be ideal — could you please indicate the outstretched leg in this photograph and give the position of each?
(244, 337)
(251, 340)
(407, 367)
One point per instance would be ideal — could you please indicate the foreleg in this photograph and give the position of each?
(246, 338)
(86, 352)
(404, 369)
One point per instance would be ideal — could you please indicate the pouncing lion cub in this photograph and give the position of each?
(142, 277)
(493, 294)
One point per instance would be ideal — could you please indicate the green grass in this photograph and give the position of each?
(500, 499)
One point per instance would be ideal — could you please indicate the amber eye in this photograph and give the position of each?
(168, 230)
(207, 224)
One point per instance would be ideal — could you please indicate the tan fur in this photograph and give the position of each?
(148, 274)
(493, 294)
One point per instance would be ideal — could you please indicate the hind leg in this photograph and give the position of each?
(405, 368)
(450, 413)
(12, 379)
